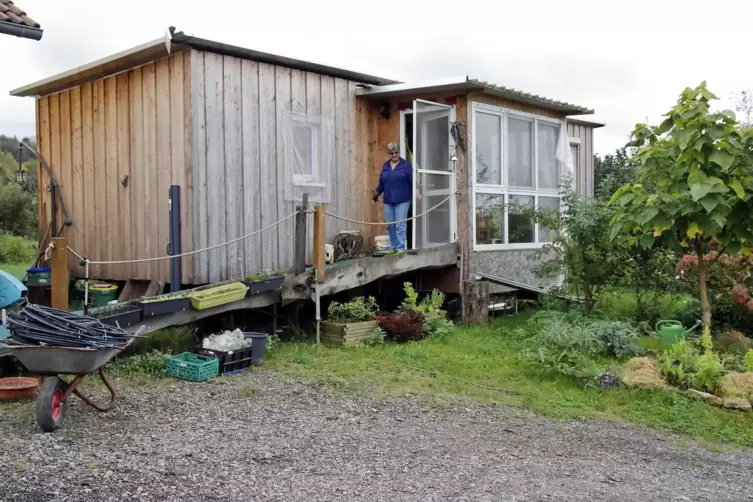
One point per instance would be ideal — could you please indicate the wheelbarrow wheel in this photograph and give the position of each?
(50, 405)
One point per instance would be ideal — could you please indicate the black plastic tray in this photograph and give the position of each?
(123, 316)
(236, 361)
(178, 304)
(273, 284)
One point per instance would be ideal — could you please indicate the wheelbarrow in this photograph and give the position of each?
(53, 394)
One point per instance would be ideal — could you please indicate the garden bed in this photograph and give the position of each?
(165, 304)
(347, 334)
(264, 282)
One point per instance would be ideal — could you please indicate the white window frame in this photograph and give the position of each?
(310, 180)
(504, 189)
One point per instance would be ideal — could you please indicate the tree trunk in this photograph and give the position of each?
(588, 294)
(475, 302)
(705, 305)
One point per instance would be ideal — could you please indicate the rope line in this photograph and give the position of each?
(337, 217)
(187, 253)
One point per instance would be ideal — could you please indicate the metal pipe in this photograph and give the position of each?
(175, 237)
(53, 183)
(86, 288)
(318, 306)
(20, 30)
(54, 209)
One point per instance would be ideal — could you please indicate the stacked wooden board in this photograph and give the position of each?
(347, 335)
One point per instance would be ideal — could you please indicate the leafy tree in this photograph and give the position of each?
(613, 171)
(581, 249)
(695, 185)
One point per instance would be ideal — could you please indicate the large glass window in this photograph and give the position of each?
(488, 153)
(520, 152)
(515, 170)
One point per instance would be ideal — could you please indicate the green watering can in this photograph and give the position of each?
(672, 332)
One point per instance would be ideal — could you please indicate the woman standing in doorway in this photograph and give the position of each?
(396, 183)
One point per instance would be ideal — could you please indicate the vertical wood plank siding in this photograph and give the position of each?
(238, 160)
(585, 168)
(132, 124)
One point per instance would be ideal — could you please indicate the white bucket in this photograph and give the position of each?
(382, 242)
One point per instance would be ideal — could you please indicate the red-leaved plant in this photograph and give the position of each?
(403, 326)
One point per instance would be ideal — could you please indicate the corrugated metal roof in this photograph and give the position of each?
(534, 99)
(468, 84)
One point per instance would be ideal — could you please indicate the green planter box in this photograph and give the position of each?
(220, 295)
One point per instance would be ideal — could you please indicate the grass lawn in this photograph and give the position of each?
(482, 365)
(18, 270)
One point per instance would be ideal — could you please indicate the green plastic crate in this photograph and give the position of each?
(194, 367)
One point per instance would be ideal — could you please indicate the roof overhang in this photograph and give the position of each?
(466, 84)
(158, 49)
(20, 30)
(587, 123)
(265, 57)
(111, 65)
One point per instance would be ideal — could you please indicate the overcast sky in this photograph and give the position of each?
(628, 60)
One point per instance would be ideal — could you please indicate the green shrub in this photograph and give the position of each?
(709, 374)
(431, 303)
(617, 339)
(18, 211)
(748, 361)
(377, 337)
(165, 341)
(438, 327)
(679, 363)
(151, 364)
(357, 310)
(14, 249)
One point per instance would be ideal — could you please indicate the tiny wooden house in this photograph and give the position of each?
(213, 119)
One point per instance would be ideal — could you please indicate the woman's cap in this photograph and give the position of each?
(393, 148)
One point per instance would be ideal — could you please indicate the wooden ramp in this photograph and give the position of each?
(350, 274)
(340, 276)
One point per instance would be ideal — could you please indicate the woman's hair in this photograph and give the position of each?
(393, 147)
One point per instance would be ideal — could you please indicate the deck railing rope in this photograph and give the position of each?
(187, 253)
(356, 222)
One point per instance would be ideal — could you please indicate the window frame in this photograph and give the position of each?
(504, 188)
(310, 180)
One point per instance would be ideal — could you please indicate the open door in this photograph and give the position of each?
(434, 174)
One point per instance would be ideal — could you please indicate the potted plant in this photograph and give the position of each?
(165, 304)
(264, 282)
(430, 306)
(350, 323)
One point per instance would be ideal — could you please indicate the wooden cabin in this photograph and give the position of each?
(213, 119)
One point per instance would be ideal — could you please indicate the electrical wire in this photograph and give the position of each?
(44, 326)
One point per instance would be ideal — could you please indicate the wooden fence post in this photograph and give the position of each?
(319, 238)
(475, 302)
(59, 273)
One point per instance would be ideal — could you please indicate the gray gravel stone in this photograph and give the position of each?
(294, 441)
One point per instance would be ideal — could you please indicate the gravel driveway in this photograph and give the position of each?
(260, 437)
